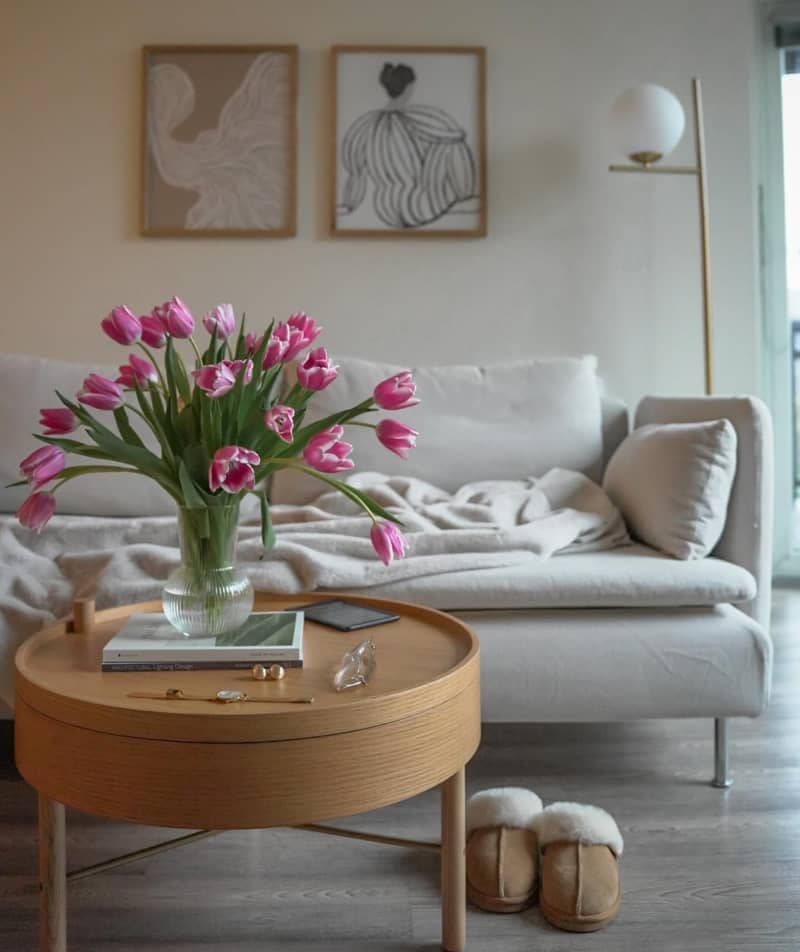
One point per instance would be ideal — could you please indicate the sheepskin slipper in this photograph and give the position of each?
(502, 852)
(580, 847)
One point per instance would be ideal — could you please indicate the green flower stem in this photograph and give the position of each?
(138, 412)
(337, 484)
(154, 362)
(207, 538)
(74, 471)
(196, 351)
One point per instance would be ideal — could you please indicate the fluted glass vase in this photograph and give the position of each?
(208, 594)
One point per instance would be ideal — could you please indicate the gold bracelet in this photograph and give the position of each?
(226, 696)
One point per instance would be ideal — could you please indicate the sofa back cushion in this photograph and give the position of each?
(499, 421)
(28, 385)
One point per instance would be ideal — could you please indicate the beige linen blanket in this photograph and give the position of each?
(324, 545)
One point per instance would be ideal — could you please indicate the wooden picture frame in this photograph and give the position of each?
(219, 141)
(408, 160)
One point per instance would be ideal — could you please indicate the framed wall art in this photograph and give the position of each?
(409, 141)
(219, 141)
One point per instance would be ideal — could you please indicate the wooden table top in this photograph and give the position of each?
(423, 660)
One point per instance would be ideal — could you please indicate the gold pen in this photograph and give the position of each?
(227, 696)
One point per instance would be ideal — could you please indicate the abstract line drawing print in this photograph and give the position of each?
(416, 157)
(239, 170)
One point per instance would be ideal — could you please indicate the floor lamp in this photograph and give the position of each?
(647, 123)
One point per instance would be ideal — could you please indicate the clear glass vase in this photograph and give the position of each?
(207, 594)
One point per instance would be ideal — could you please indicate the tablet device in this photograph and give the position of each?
(346, 616)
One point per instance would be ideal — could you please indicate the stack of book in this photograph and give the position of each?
(148, 642)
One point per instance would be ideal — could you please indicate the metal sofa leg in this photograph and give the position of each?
(722, 774)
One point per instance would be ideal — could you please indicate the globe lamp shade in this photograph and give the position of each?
(646, 123)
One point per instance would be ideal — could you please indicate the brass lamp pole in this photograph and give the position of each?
(646, 162)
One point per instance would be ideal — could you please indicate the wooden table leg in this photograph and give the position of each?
(454, 881)
(52, 877)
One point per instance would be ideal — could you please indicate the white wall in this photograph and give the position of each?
(577, 260)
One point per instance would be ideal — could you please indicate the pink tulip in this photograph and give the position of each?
(36, 511)
(101, 393)
(396, 392)
(252, 342)
(232, 469)
(303, 332)
(280, 419)
(276, 349)
(298, 332)
(153, 333)
(388, 541)
(236, 366)
(317, 370)
(215, 379)
(42, 465)
(57, 421)
(175, 317)
(139, 371)
(222, 320)
(397, 437)
(122, 326)
(218, 379)
(327, 452)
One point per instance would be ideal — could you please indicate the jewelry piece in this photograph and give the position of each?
(275, 672)
(225, 696)
(356, 667)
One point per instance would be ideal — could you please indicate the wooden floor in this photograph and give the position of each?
(703, 870)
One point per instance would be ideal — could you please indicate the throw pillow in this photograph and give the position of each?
(672, 483)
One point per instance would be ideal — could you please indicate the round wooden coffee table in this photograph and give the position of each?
(83, 742)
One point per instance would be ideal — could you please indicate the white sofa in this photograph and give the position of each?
(621, 634)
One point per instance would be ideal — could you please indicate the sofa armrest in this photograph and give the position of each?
(747, 538)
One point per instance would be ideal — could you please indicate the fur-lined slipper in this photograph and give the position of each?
(580, 850)
(502, 852)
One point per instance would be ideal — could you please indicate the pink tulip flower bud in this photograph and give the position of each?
(327, 452)
(36, 511)
(276, 349)
(396, 392)
(236, 366)
(397, 437)
(215, 379)
(139, 371)
(231, 469)
(57, 421)
(252, 342)
(298, 335)
(153, 333)
(303, 329)
(176, 318)
(317, 370)
(122, 326)
(218, 379)
(388, 541)
(222, 320)
(42, 465)
(100, 393)
(280, 419)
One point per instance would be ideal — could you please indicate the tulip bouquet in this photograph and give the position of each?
(220, 427)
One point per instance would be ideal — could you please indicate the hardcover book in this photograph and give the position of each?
(148, 642)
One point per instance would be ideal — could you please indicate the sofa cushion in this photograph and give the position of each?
(500, 421)
(629, 577)
(672, 483)
(619, 664)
